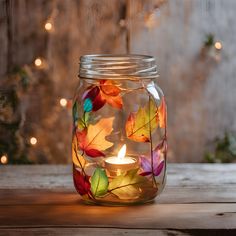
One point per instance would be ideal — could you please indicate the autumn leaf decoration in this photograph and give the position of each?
(81, 183)
(105, 92)
(127, 186)
(139, 123)
(162, 114)
(142, 123)
(92, 140)
(158, 164)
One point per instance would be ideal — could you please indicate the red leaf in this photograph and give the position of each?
(94, 153)
(81, 182)
(145, 173)
(98, 102)
(95, 95)
(92, 93)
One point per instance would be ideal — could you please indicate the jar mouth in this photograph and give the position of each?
(118, 66)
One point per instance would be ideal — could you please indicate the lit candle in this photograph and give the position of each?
(121, 163)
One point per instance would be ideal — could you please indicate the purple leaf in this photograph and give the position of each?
(157, 164)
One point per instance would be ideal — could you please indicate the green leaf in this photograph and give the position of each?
(83, 121)
(75, 111)
(128, 186)
(99, 182)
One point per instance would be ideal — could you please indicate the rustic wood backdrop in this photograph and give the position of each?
(200, 88)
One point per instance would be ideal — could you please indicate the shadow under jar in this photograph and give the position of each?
(119, 142)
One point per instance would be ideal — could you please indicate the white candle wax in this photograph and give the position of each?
(121, 163)
(115, 160)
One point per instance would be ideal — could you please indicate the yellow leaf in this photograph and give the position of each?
(141, 123)
(129, 185)
(96, 134)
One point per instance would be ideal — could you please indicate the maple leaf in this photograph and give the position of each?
(81, 182)
(162, 113)
(158, 164)
(139, 124)
(92, 140)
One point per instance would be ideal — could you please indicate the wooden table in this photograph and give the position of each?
(199, 199)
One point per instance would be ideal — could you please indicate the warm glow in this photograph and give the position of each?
(33, 140)
(122, 152)
(63, 102)
(48, 26)
(218, 45)
(4, 159)
(38, 62)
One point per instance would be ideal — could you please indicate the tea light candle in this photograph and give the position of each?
(117, 165)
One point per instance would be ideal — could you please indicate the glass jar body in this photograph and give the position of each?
(119, 142)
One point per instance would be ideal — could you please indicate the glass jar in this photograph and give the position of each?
(119, 142)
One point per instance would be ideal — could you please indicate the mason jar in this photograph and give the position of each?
(119, 138)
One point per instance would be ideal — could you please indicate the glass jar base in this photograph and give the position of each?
(107, 203)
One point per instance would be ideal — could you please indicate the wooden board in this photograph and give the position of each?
(199, 198)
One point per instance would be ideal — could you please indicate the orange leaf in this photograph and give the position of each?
(111, 93)
(93, 141)
(77, 159)
(109, 88)
(162, 113)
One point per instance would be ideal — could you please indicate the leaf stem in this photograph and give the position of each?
(151, 147)
(148, 123)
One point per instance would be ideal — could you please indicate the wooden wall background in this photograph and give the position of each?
(200, 90)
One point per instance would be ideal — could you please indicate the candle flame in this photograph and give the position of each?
(122, 152)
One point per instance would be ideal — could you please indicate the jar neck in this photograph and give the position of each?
(105, 66)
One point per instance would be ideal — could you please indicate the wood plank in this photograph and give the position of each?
(152, 216)
(59, 176)
(170, 195)
(186, 183)
(113, 232)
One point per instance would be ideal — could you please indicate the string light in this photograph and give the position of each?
(122, 23)
(63, 102)
(4, 159)
(38, 62)
(150, 20)
(218, 45)
(48, 26)
(33, 140)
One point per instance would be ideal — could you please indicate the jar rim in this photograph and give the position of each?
(118, 66)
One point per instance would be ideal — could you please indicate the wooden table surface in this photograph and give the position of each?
(199, 199)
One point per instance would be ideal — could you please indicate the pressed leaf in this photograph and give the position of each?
(99, 182)
(75, 111)
(111, 93)
(146, 164)
(140, 123)
(162, 113)
(92, 141)
(127, 186)
(81, 182)
(77, 159)
(83, 121)
(88, 105)
(106, 92)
